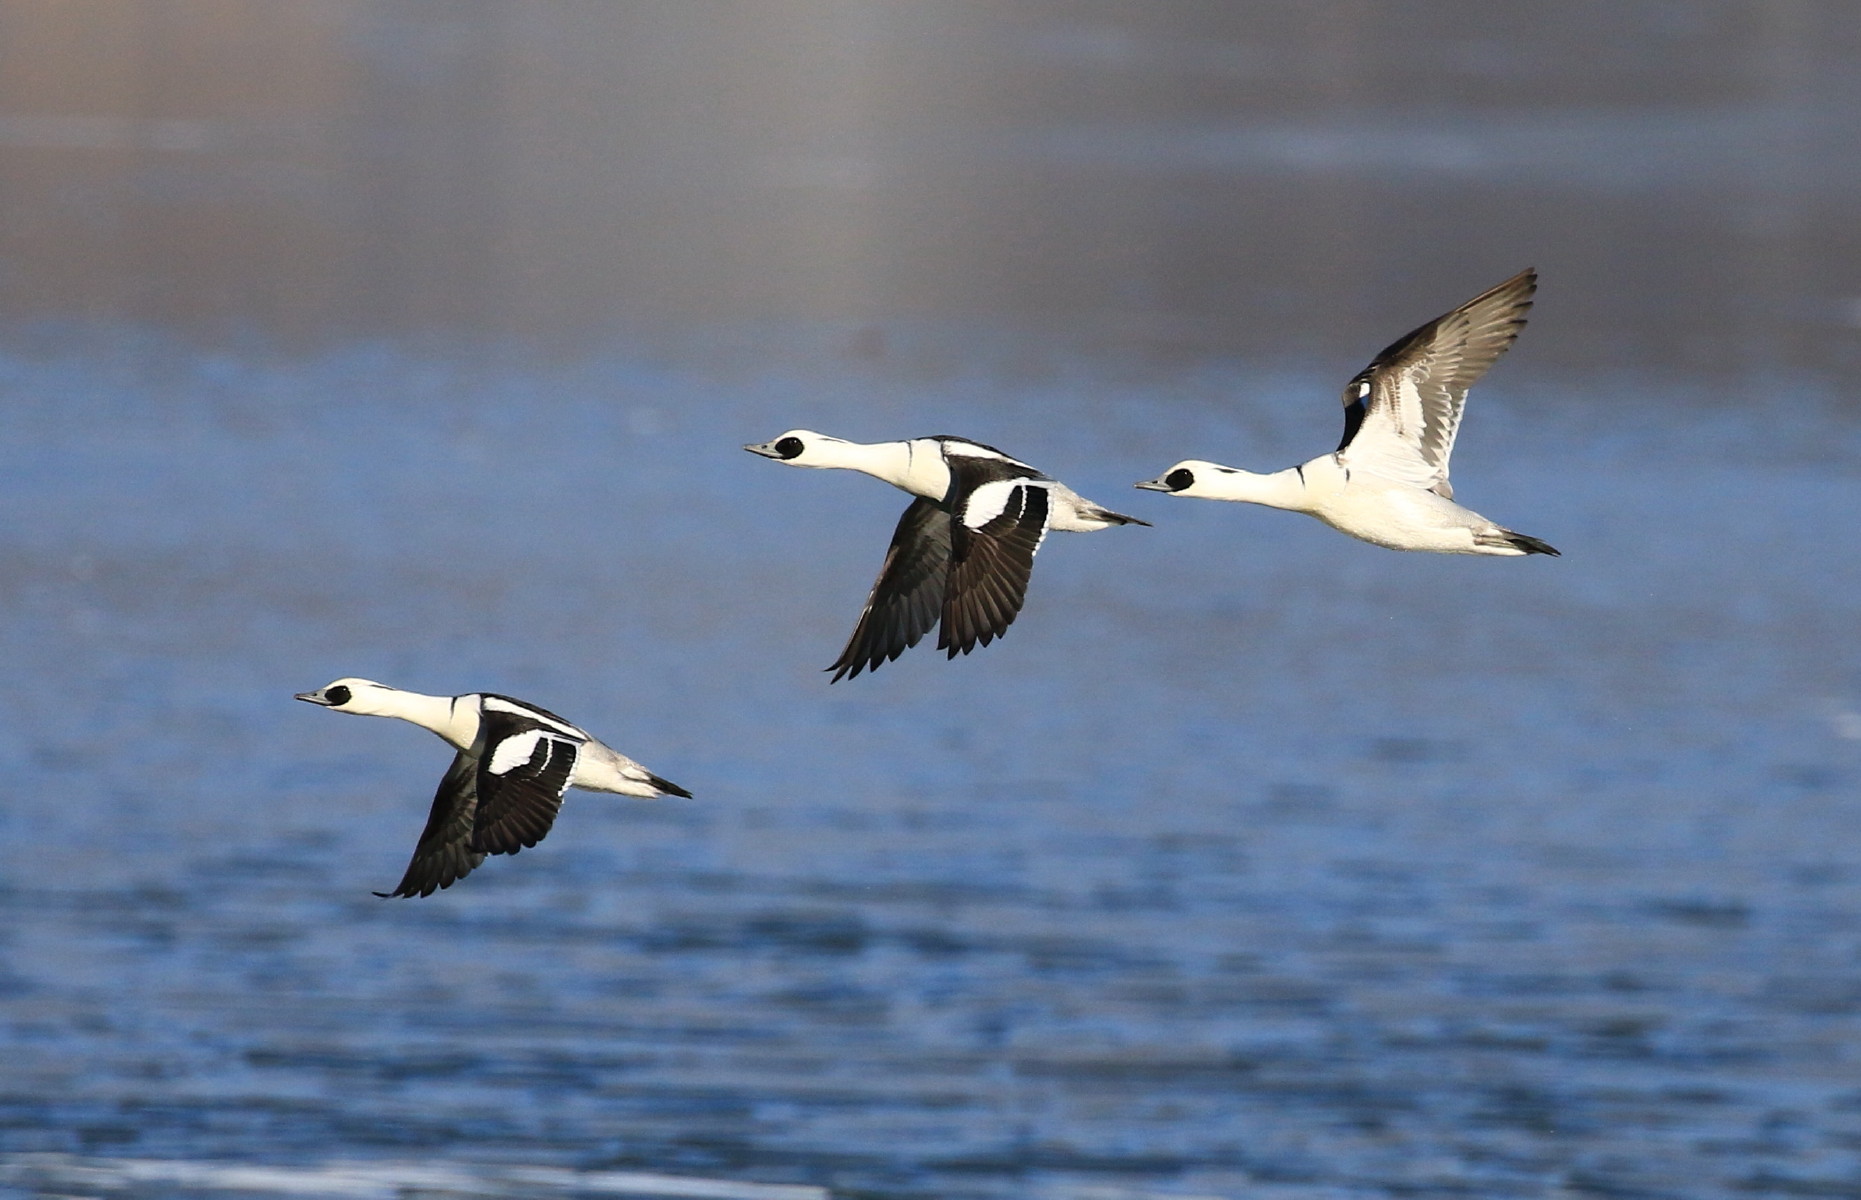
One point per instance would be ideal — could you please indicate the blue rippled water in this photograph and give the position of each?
(1254, 862)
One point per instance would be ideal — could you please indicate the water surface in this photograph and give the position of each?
(1253, 862)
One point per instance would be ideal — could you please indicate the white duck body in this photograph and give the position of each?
(598, 767)
(514, 763)
(963, 550)
(1383, 512)
(1387, 482)
(921, 467)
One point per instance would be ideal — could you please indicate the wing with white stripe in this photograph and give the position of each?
(907, 598)
(526, 760)
(444, 855)
(997, 530)
(1402, 412)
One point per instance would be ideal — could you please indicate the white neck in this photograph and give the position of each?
(1282, 489)
(916, 466)
(452, 718)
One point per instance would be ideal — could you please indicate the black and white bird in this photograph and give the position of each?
(1387, 481)
(505, 784)
(963, 550)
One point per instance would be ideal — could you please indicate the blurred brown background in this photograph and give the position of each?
(1180, 179)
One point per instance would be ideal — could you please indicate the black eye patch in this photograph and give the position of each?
(1179, 479)
(789, 447)
(337, 696)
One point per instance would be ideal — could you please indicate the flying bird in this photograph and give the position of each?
(1386, 483)
(964, 548)
(506, 782)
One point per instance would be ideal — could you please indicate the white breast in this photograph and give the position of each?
(926, 474)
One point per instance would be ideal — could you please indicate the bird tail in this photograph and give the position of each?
(1117, 518)
(1529, 545)
(672, 789)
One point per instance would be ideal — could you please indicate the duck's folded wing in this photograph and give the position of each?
(444, 854)
(524, 768)
(994, 538)
(1402, 412)
(907, 598)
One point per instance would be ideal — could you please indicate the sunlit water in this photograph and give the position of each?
(1255, 862)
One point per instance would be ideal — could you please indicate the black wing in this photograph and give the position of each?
(907, 598)
(524, 767)
(990, 564)
(444, 854)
